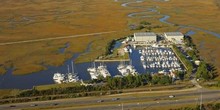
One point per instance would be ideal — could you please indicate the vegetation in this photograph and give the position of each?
(208, 50)
(101, 86)
(205, 72)
(210, 106)
(55, 19)
(183, 58)
(147, 25)
(192, 51)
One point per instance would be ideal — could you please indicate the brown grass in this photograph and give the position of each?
(209, 49)
(7, 92)
(54, 19)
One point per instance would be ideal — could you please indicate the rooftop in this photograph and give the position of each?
(141, 34)
(173, 33)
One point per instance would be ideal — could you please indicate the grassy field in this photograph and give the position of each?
(25, 20)
(7, 92)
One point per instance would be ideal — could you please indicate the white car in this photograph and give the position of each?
(171, 96)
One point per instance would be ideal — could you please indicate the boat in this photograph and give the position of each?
(66, 78)
(126, 70)
(122, 69)
(142, 58)
(131, 70)
(161, 72)
(102, 70)
(130, 50)
(72, 76)
(93, 72)
(134, 46)
(58, 78)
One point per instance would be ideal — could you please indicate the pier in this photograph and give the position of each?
(115, 60)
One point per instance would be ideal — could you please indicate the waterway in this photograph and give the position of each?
(151, 11)
(10, 81)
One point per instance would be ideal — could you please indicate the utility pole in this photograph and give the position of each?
(201, 100)
(122, 106)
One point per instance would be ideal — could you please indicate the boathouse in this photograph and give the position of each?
(175, 37)
(145, 37)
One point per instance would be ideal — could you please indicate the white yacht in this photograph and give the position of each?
(122, 69)
(66, 78)
(58, 78)
(93, 72)
(131, 70)
(130, 50)
(125, 70)
(102, 70)
(142, 58)
(72, 77)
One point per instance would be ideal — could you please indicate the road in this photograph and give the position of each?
(55, 38)
(129, 101)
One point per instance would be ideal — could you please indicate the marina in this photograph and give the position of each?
(100, 71)
(69, 77)
(159, 58)
(143, 60)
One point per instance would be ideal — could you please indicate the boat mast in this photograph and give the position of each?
(94, 64)
(68, 68)
(72, 67)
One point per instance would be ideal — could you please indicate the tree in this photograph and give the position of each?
(155, 79)
(202, 71)
(180, 74)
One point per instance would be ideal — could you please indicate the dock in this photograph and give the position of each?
(116, 60)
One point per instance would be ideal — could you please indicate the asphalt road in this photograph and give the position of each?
(129, 101)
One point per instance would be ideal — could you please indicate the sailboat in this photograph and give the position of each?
(72, 76)
(93, 72)
(66, 78)
(125, 70)
(102, 70)
(58, 78)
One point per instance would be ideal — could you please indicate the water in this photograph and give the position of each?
(164, 18)
(117, 45)
(136, 62)
(190, 33)
(9, 81)
(62, 50)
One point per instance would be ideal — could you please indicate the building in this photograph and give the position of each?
(145, 37)
(175, 37)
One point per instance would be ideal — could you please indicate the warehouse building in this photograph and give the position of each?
(145, 37)
(175, 37)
